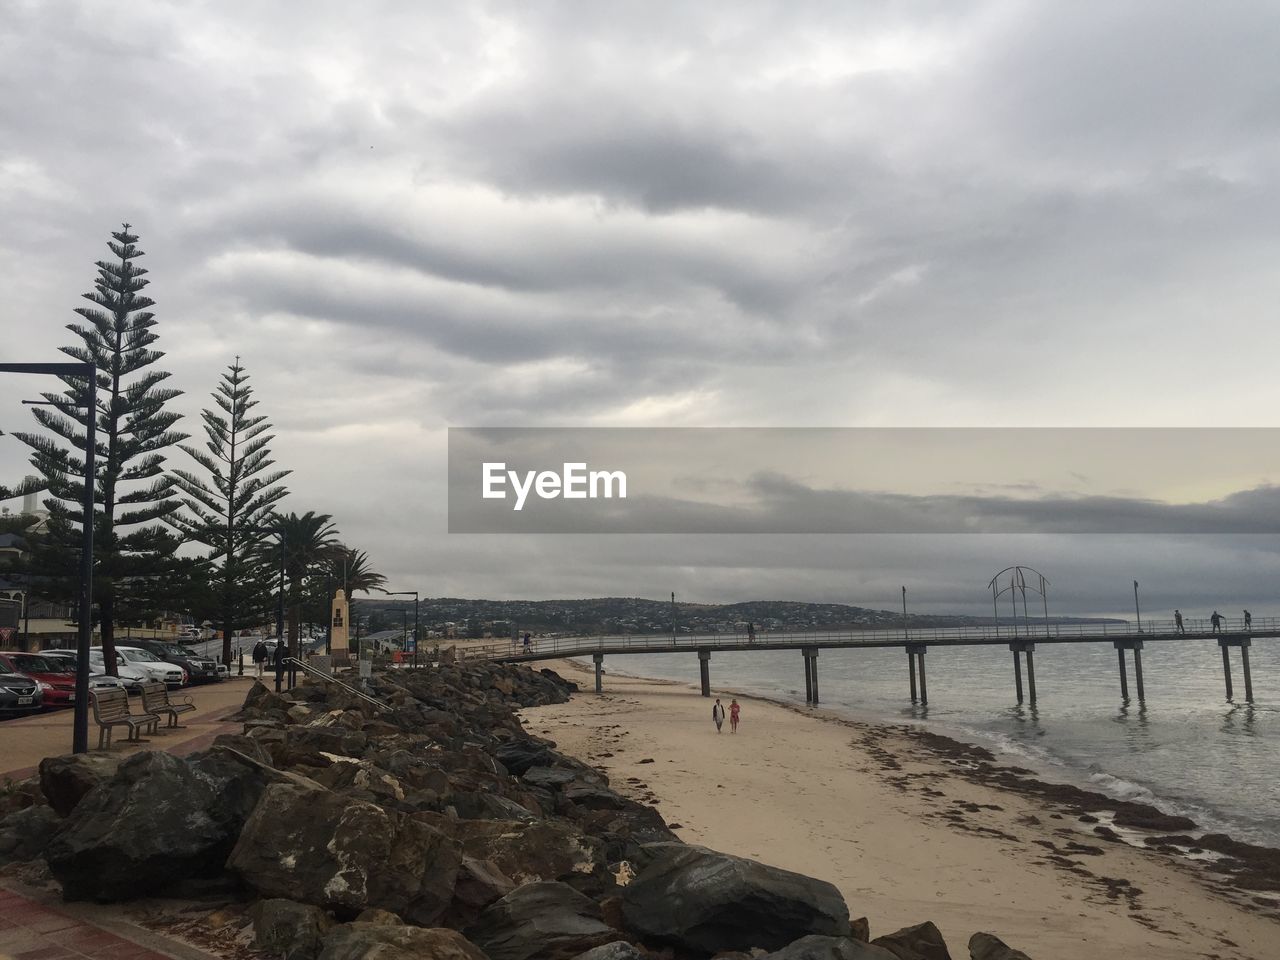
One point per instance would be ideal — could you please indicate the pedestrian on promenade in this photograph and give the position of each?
(259, 656)
(1216, 620)
(734, 710)
(1248, 620)
(277, 660)
(528, 644)
(1177, 620)
(751, 633)
(717, 715)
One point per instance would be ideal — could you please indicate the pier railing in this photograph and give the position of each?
(1031, 629)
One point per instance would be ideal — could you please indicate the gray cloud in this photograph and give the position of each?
(647, 214)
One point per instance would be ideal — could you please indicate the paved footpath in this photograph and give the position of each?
(31, 929)
(25, 742)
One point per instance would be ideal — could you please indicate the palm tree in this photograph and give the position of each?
(352, 569)
(310, 542)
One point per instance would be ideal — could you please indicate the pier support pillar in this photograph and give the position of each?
(1242, 641)
(1136, 646)
(808, 676)
(599, 661)
(915, 653)
(1019, 648)
(813, 667)
(704, 668)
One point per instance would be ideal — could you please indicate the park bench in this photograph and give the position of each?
(155, 700)
(111, 709)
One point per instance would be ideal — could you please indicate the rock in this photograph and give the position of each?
(156, 823)
(289, 930)
(479, 884)
(830, 948)
(25, 834)
(618, 950)
(376, 941)
(384, 917)
(540, 850)
(64, 780)
(986, 946)
(921, 942)
(519, 756)
(540, 921)
(345, 855)
(706, 902)
(860, 929)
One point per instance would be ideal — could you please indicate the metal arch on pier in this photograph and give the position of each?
(1020, 636)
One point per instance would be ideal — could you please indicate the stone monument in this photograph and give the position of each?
(338, 645)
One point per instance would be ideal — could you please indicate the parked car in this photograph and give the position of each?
(19, 694)
(58, 686)
(199, 669)
(137, 667)
(66, 660)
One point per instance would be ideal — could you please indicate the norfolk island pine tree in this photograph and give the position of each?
(137, 571)
(232, 511)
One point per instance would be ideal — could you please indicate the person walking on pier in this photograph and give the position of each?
(1248, 621)
(751, 633)
(717, 715)
(1177, 621)
(528, 644)
(1216, 620)
(734, 710)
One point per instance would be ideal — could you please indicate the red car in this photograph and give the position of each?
(58, 685)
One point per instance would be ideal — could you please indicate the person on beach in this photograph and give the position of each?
(734, 710)
(259, 656)
(1248, 620)
(1177, 621)
(1216, 620)
(717, 715)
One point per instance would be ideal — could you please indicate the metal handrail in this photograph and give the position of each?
(1029, 629)
(312, 671)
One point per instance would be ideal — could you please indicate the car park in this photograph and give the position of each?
(199, 669)
(57, 686)
(19, 694)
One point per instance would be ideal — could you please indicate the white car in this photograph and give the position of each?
(136, 667)
(97, 679)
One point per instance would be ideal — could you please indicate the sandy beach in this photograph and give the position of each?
(905, 828)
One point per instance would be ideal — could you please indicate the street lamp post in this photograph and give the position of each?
(1137, 609)
(84, 637)
(905, 633)
(416, 638)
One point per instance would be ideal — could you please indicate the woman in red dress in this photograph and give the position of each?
(733, 716)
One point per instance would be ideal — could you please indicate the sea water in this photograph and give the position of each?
(1187, 750)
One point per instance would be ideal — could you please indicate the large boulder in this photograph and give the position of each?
(537, 850)
(921, 942)
(65, 780)
(345, 855)
(25, 833)
(540, 921)
(707, 902)
(479, 884)
(986, 946)
(157, 823)
(289, 930)
(829, 948)
(380, 941)
(618, 950)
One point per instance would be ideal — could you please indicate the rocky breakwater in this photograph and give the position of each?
(429, 824)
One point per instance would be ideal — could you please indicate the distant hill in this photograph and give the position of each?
(637, 615)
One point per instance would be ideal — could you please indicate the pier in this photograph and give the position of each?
(1021, 639)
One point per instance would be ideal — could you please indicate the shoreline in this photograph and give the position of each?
(914, 825)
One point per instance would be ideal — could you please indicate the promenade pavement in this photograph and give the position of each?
(25, 741)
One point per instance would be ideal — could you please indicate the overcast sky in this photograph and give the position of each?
(406, 217)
